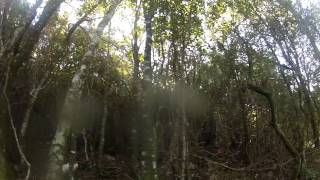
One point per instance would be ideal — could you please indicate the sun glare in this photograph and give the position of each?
(121, 23)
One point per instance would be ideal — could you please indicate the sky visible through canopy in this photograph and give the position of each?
(123, 19)
(122, 22)
(189, 82)
(121, 26)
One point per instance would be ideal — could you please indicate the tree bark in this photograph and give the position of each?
(274, 119)
(27, 43)
(14, 130)
(274, 123)
(12, 44)
(78, 23)
(34, 96)
(135, 47)
(3, 162)
(244, 118)
(304, 25)
(148, 132)
(103, 128)
(73, 98)
(312, 115)
(184, 152)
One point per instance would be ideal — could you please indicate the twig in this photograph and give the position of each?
(243, 168)
(12, 124)
(85, 144)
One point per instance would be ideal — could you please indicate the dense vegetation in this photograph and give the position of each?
(200, 89)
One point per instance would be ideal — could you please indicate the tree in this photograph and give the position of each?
(73, 97)
(172, 89)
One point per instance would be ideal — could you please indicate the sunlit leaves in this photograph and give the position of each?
(178, 19)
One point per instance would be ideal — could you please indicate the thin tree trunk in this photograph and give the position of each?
(14, 130)
(19, 33)
(244, 117)
(3, 162)
(297, 106)
(149, 146)
(34, 95)
(135, 82)
(25, 45)
(174, 141)
(135, 47)
(35, 92)
(102, 130)
(85, 142)
(211, 128)
(184, 161)
(304, 25)
(313, 117)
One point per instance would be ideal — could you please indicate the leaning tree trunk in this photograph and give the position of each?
(35, 92)
(312, 115)
(305, 25)
(296, 105)
(274, 123)
(103, 128)
(27, 43)
(72, 99)
(34, 96)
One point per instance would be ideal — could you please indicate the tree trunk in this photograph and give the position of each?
(12, 125)
(3, 162)
(297, 106)
(102, 130)
(85, 144)
(136, 85)
(26, 44)
(244, 117)
(304, 25)
(135, 47)
(34, 95)
(148, 132)
(312, 115)
(274, 123)
(184, 152)
(211, 140)
(72, 99)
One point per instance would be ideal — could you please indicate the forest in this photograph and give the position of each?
(159, 89)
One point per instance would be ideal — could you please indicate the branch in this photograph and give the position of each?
(32, 14)
(78, 23)
(3, 21)
(99, 31)
(242, 168)
(12, 125)
(274, 121)
(259, 90)
(34, 32)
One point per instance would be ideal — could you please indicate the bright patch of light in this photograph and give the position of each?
(121, 23)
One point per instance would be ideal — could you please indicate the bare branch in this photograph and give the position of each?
(22, 155)
(78, 23)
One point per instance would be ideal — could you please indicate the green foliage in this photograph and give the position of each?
(210, 50)
(178, 20)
